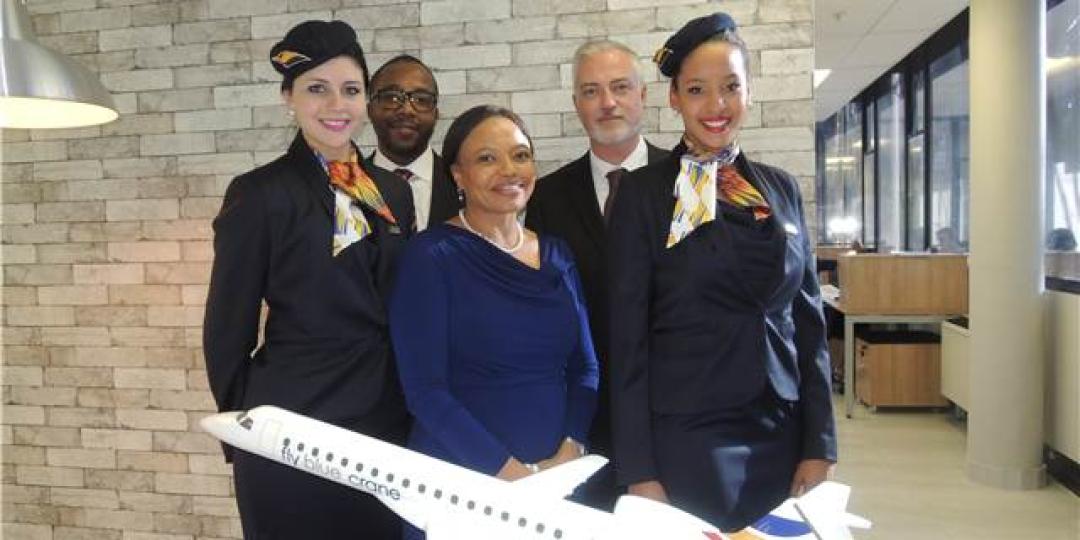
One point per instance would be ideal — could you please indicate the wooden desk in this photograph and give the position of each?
(830, 295)
(904, 283)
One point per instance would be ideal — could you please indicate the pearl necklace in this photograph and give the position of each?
(511, 250)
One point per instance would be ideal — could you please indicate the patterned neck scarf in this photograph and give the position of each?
(696, 189)
(734, 189)
(352, 187)
(723, 156)
(351, 179)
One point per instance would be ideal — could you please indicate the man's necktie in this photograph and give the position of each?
(614, 176)
(404, 173)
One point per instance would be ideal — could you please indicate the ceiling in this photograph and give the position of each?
(860, 39)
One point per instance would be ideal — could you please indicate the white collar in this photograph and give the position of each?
(639, 157)
(423, 166)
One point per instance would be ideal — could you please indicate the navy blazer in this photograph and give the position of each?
(689, 336)
(564, 204)
(326, 351)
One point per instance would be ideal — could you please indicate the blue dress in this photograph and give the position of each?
(495, 357)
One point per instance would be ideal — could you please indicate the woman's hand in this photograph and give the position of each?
(513, 470)
(569, 450)
(810, 473)
(651, 489)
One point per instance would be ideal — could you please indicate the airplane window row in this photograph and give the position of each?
(421, 488)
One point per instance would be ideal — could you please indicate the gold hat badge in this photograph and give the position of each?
(288, 59)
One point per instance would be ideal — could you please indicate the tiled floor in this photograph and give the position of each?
(907, 474)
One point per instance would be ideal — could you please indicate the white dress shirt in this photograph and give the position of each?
(639, 157)
(422, 169)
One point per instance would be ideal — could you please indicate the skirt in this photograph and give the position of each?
(278, 502)
(730, 467)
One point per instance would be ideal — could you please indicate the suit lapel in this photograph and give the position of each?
(444, 200)
(582, 195)
(314, 176)
(381, 182)
(655, 153)
(783, 222)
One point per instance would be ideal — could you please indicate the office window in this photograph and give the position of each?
(918, 101)
(916, 195)
(950, 151)
(831, 196)
(1062, 140)
(916, 164)
(852, 172)
(890, 171)
(869, 200)
(869, 180)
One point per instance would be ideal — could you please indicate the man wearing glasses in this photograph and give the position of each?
(403, 109)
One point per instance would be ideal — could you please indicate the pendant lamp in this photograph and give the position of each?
(41, 88)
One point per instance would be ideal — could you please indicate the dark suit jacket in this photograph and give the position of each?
(564, 204)
(689, 336)
(326, 352)
(444, 199)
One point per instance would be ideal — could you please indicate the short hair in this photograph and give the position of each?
(410, 59)
(590, 48)
(464, 125)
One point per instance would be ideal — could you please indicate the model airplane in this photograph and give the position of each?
(451, 502)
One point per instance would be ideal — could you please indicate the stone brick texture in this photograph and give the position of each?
(106, 230)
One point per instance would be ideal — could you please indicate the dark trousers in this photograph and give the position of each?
(278, 502)
(729, 467)
(599, 491)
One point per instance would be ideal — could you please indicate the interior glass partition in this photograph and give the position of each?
(890, 166)
(1063, 144)
(949, 151)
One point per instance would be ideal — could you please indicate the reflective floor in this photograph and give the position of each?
(907, 474)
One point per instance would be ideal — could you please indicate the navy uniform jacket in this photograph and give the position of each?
(326, 352)
(565, 205)
(688, 336)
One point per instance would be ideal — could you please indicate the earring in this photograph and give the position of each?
(461, 196)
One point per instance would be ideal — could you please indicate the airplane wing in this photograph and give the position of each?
(561, 480)
(824, 509)
(817, 515)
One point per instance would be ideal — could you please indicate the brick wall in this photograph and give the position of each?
(106, 230)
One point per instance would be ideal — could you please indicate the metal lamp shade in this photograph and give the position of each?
(40, 88)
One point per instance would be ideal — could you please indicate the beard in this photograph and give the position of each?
(408, 146)
(614, 131)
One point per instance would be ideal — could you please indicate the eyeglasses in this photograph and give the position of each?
(421, 100)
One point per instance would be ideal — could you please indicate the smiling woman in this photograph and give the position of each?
(487, 319)
(328, 105)
(720, 380)
(314, 235)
